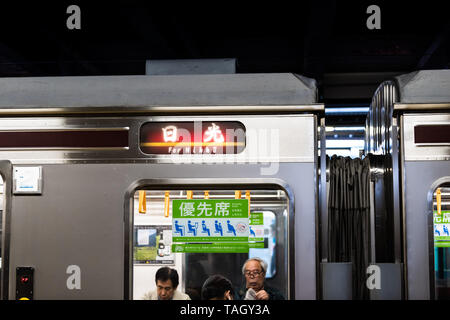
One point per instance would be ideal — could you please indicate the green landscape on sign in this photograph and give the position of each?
(146, 252)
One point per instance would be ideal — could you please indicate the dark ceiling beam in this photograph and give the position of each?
(321, 19)
(63, 64)
(143, 23)
(41, 49)
(185, 37)
(14, 63)
(437, 43)
(77, 58)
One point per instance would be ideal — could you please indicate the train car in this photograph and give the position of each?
(96, 169)
(408, 128)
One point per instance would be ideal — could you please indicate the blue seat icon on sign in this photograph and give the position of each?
(205, 229)
(252, 232)
(179, 228)
(436, 231)
(231, 228)
(192, 228)
(218, 227)
(445, 229)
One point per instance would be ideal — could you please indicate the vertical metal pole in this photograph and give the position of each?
(397, 193)
(399, 199)
(323, 193)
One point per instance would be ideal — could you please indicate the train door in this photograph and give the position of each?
(152, 239)
(5, 187)
(424, 168)
(440, 243)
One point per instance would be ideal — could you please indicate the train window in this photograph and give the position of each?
(153, 238)
(441, 232)
(269, 238)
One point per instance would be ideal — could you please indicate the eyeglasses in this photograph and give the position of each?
(253, 273)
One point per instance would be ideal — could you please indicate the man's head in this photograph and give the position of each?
(166, 283)
(254, 271)
(217, 287)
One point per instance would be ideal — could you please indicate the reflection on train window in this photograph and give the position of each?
(155, 213)
(441, 227)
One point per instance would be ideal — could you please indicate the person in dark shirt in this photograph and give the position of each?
(217, 287)
(254, 271)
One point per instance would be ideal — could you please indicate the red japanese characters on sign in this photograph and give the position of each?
(195, 137)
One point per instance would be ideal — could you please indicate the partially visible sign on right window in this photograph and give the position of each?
(442, 229)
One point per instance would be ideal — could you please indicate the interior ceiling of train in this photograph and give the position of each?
(327, 40)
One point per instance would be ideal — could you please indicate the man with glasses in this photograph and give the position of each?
(254, 271)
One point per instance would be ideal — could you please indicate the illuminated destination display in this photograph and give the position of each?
(194, 137)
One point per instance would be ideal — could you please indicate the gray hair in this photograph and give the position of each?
(262, 263)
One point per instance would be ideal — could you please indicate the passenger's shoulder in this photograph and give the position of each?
(151, 295)
(178, 295)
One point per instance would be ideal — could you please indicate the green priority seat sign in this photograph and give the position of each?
(256, 227)
(206, 225)
(441, 229)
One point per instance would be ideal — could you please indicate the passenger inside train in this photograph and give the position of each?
(166, 280)
(254, 269)
(217, 287)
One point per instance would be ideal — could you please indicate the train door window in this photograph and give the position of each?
(152, 242)
(267, 253)
(441, 232)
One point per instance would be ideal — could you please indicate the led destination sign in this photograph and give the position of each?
(194, 137)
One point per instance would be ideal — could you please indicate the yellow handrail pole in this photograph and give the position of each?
(142, 202)
(438, 200)
(247, 196)
(167, 204)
